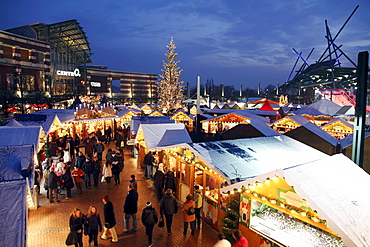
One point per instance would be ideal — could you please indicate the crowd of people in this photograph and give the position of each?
(80, 163)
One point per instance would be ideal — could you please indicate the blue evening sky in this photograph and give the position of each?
(232, 42)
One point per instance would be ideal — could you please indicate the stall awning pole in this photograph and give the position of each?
(359, 124)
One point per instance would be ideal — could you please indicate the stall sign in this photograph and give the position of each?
(95, 84)
(292, 198)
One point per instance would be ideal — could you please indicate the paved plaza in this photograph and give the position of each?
(49, 224)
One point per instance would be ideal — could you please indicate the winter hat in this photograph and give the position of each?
(148, 204)
(160, 167)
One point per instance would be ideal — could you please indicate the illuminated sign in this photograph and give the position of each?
(75, 73)
(95, 84)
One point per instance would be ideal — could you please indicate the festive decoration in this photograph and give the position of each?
(170, 89)
(231, 220)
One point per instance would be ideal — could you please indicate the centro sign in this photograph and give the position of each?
(75, 73)
(95, 84)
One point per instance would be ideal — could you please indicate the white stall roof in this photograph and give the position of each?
(137, 120)
(336, 188)
(20, 135)
(161, 135)
(321, 107)
(64, 115)
(250, 157)
(45, 121)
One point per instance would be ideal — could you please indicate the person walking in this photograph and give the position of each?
(107, 173)
(240, 240)
(188, 211)
(133, 182)
(159, 181)
(80, 160)
(87, 168)
(96, 169)
(130, 209)
(89, 148)
(76, 222)
(67, 181)
(108, 135)
(109, 220)
(148, 162)
(149, 218)
(169, 181)
(198, 199)
(53, 185)
(77, 174)
(93, 224)
(99, 148)
(117, 166)
(168, 208)
(222, 241)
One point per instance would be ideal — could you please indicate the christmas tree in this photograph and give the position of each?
(170, 89)
(231, 220)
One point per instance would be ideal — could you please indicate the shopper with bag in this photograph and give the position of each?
(168, 208)
(109, 220)
(76, 222)
(149, 217)
(188, 210)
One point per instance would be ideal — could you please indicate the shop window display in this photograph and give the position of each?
(288, 230)
(212, 187)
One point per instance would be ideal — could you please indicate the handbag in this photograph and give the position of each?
(102, 179)
(71, 238)
(107, 225)
(161, 222)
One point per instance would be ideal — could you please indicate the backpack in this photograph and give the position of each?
(191, 211)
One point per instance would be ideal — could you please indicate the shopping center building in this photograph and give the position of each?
(48, 63)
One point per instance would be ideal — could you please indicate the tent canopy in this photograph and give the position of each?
(137, 120)
(161, 135)
(321, 107)
(20, 135)
(240, 159)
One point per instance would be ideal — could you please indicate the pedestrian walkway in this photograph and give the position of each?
(49, 224)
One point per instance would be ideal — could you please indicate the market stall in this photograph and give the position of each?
(181, 116)
(285, 207)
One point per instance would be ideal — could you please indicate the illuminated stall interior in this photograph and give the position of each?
(183, 117)
(338, 128)
(289, 123)
(224, 122)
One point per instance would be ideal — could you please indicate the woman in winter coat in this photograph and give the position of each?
(189, 214)
(109, 220)
(169, 181)
(107, 172)
(93, 224)
(68, 181)
(76, 222)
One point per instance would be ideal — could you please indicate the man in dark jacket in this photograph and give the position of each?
(148, 162)
(149, 218)
(96, 169)
(130, 209)
(80, 160)
(109, 220)
(159, 181)
(168, 208)
(169, 181)
(87, 168)
(68, 181)
(53, 185)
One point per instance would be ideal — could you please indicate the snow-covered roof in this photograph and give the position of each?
(163, 134)
(346, 110)
(46, 121)
(319, 132)
(348, 140)
(250, 157)
(262, 127)
(321, 107)
(64, 115)
(13, 122)
(20, 135)
(341, 201)
(137, 120)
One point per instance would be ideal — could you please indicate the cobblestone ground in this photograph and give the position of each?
(49, 224)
